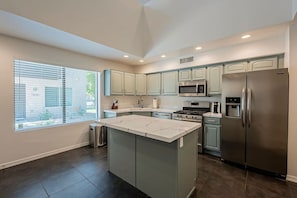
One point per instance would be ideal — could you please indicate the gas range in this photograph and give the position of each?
(193, 112)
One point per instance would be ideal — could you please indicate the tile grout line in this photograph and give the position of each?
(246, 180)
(87, 179)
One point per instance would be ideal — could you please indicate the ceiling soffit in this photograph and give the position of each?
(143, 28)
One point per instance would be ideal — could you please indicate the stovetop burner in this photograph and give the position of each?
(192, 111)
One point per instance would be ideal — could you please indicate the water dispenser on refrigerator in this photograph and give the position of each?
(233, 107)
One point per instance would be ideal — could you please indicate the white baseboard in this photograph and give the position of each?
(292, 178)
(42, 155)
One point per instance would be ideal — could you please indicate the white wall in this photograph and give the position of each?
(115, 23)
(159, 27)
(294, 8)
(19, 147)
(292, 154)
(191, 22)
(274, 45)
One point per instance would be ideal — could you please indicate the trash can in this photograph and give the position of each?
(97, 135)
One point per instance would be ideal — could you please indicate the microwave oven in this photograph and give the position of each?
(192, 88)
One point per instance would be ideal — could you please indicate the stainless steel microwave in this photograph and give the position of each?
(192, 88)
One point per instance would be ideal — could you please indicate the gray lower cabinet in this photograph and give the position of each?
(113, 114)
(162, 115)
(148, 113)
(212, 135)
(157, 168)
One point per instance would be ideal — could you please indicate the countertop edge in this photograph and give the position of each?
(213, 115)
(126, 110)
(151, 135)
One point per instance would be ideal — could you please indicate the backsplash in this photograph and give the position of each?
(165, 102)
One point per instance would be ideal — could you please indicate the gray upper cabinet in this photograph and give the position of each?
(235, 67)
(192, 74)
(169, 83)
(185, 75)
(129, 83)
(153, 84)
(214, 79)
(118, 83)
(199, 73)
(114, 82)
(263, 64)
(140, 84)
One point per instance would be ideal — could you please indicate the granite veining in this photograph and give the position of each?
(160, 129)
(135, 109)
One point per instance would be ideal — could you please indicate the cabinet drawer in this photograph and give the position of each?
(211, 120)
(161, 115)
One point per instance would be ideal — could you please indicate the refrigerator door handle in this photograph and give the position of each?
(197, 88)
(249, 105)
(243, 94)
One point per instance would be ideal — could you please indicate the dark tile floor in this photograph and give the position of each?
(83, 173)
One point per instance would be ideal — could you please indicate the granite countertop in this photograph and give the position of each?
(159, 129)
(138, 109)
(213, 115)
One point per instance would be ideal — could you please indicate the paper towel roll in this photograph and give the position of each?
(155, 103)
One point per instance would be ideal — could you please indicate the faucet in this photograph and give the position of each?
(140, 102)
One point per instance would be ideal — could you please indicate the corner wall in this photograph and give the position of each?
(25, 146)
(292, 144)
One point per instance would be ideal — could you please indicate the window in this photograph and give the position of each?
(47, 95)
(53, 96)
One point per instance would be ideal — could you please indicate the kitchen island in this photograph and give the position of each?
(157, 156)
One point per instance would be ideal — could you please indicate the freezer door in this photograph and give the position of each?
(233, 132)
(267, 117)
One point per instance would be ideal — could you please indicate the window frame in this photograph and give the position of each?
(64, 95)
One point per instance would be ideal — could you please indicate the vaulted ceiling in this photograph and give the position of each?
(142, 29)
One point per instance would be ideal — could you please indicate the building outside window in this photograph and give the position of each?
(47, 95)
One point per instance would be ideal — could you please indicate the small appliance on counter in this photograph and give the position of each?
(115, 104)
(155, 103)
(216, 107)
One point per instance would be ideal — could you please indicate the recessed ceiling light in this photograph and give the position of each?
(126, 56)
(198, 48)
(246, 36)
(163, 55)
(141, 61)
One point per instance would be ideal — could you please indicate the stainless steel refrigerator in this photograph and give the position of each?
(255, 119)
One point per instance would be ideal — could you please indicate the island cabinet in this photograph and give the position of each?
(157, 156)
